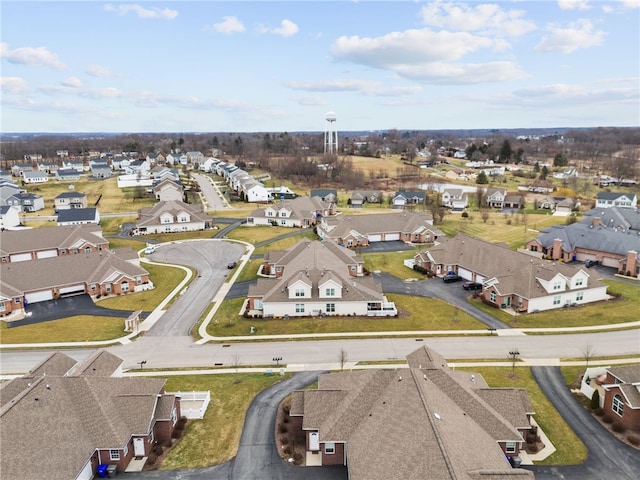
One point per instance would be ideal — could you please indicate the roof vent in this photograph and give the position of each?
(437, 415)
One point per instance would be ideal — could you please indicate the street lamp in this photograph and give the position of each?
(277, 360)
(143, 362)
(513, 353)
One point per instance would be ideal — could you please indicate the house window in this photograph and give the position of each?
(330, 307)
(174, 415)
(556, 300)
(579, 296)
(492, 297)
(93, 286)
(617, 405)
(138, 280)
(329, 448)
(2, 307)
(167, 228)
(579, 282)
(87, 250)
(63, 251)
(269, 214)
(299, 292)
(534, 248)
(283, 221)
(74, 250)
(107, 287)
(283, 214)
(330, 292)
(4, 259)
(556, 286)
(299, 307)
(511, 447)
(353, 268)
(114, 454)
(183, 219)
(124, 286)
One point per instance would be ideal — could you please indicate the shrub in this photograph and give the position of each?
(598, 411)
(618, 427)
(284, 440)
(286, 408)
(286, 419)
(157, 449)
(633, 439)
(287, 450)
(607, 418)
(152, 459)
(282, 428)
(595, 400)
(465, 215)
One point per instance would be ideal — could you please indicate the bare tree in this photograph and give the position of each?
(342, 358)
(588, 352)
(236, 361)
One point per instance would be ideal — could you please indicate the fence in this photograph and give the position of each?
(193, 404)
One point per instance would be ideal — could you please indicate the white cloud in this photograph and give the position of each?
(142, 12)
(98, 71)
(615, 91)
(309, 100)
(287, 28)
(31, 56)
(573, 4)
(72, 82)
(630, 3)
(13, 85)
(487, 18)
(367, 88)
(229, 25)
(576, 35)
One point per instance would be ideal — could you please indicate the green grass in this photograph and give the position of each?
(117, 242)
(392, 262)
(286, 243)
(250, 270)
(570, 450)
(258, 233)
(215, 438)
(80, 328)
(113, 225)
(607, 312)
(417, 313)
(164, 278)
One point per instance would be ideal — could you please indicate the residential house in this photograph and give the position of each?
(459, 174)
(4, 175)
(316, 278)
(172, 216)
(67, 174)
(361, 197)
(7, 190)
(329, 195)
(45, 242)
(33, 157)
(28, 202)
(76, 165)
(9, 218)
(207, 165)
(138, 167)
(194, 157)
(612, 239)
(404, 199)
(622, 395)
(300, 212)
(35, 176)
(236, 177)
(79, 216)
(177, 158)
(513, 202)
(156, 159)
(424, 421)
(495, 197)
(18, 169)
(101, 170)
(282, 193)
(48, 167)
(168, 190)
(557, 204)
(513, 279)
(82, 414)
(455, 199)
(363, 230)
(254, 191)
(69, 200)
(616, 199)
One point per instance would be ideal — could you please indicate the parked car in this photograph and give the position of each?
(590, 263)
(150, 249)
(231, 265)
(451, 277)
(472, 286)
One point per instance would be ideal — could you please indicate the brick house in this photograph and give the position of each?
(401, 423)
(300, 212)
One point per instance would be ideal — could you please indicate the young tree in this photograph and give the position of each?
(342, 358)
(544, 172)
(505, 152)
(482, 179)
(560, 160)
(595, 400)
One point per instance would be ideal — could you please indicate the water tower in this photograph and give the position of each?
(330, 134)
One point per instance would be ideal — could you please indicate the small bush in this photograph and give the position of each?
(618, 427)
(167, 443)
(287, 450)
(598, 411)
(282, 428)
(607, 419)
(152, 459)
(157, 449)
(284, 440)
(286, 419)
(633, 439)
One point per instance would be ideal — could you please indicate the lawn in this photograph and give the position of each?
(392, 263)
(117, 242)
(570, 450)
(286, 243)
(215, 439)
(81, 328)
(113, 225)
(250, 270)
(165, 280)
(259, 233)
(417, 313)
(608, 312)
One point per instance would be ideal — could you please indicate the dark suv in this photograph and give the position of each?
(472, 286)
(451, 277)
(590, 263)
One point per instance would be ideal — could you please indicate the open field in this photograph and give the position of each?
(215, 438)
(417, 313)
(80, 328)
(570, 450)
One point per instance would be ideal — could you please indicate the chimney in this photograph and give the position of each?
(596, 221)
(557, 249)
(632, 260)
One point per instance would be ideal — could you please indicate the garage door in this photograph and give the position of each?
(86, 473)
(72, 290)
(610, 262)
(20, 257)
(374, 238)
(389, 237)
(464, 273)
(36, 297)
(480, 278)
(47, 254)
(583, 257)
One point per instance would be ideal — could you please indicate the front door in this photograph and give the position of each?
(138, 447)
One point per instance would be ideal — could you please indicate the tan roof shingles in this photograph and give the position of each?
(35, 239)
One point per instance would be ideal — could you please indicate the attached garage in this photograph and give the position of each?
(72, 290)
(86, 473)
(389, 237)
(480, 278)
(20, 257)
(47, 254)
(610, 262)
(42, 296)
(374, 238)
(464, 273)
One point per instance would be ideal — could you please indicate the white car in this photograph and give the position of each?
(150, 249)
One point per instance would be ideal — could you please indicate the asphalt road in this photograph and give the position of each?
(608, 457)
(214, 202)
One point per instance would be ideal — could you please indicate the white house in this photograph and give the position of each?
(455, 199)
(616, 199)
(78, 216)
(171, 216)
(299, 212)
(9, 217)
(35, 176)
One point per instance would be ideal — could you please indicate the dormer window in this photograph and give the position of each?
(330, 292)
(299, 292)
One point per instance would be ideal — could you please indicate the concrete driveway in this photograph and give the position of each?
(608, 457)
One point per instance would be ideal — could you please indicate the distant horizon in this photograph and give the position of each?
(160, 66)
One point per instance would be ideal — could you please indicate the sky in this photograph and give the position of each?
(281, 66)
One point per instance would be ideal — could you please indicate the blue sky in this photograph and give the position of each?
(239, 66)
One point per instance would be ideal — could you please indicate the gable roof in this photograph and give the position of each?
(35, 239)
(71, 195)
(151, 215)
(77, 215)
(299, 208)
(392, 222)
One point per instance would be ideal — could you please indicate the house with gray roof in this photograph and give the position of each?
(79, 216)
(70, 200)
(7, 190)
(494, 197)
(622, 395)
(329, 195)
(82, 414)
(361, 197)
(172, 216)
(403, 199)
(612, 240)
(616, 199)
(512, 279)
(168, 189)
(299, 212)
(17, 169)
(101, 170)
(35, 176)
(67, 175)
(9, 217)
(313, 279)
(362, 230)
(421, 421)
(455, 199)
(27, 202)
